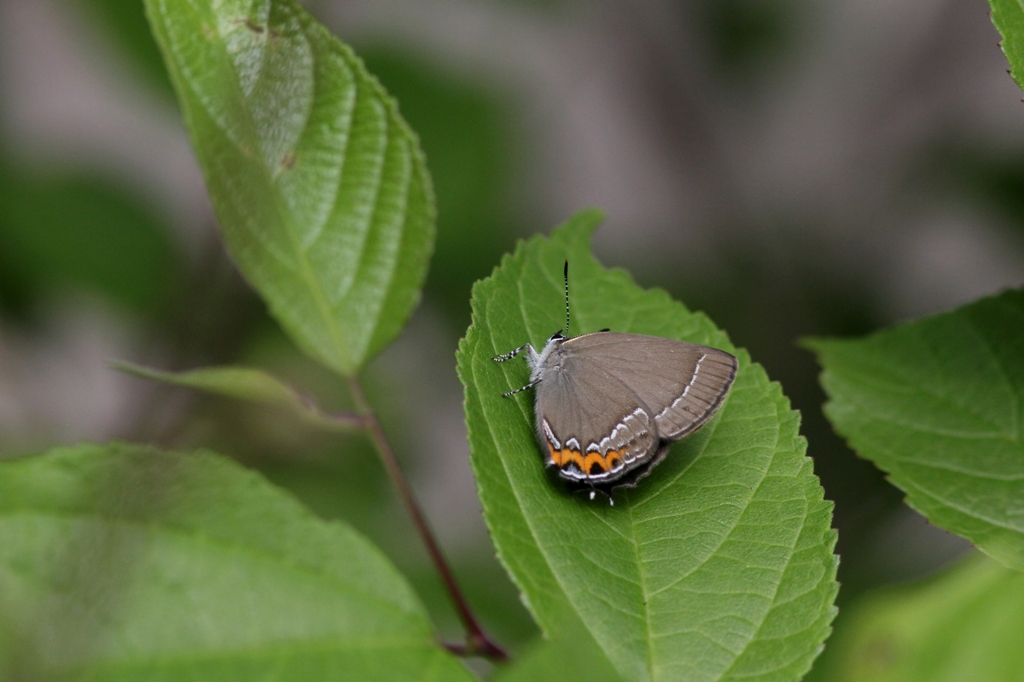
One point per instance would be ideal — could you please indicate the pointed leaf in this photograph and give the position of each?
(320, 187)
(939, 405)
(121, 562)
(719, 565)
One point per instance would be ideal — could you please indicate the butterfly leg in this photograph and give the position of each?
(520, 390)
(517, 351)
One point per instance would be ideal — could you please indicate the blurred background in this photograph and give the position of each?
(790, 167)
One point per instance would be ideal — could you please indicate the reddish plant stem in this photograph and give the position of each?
(477, 641)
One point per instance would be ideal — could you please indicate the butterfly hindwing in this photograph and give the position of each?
(593, 428)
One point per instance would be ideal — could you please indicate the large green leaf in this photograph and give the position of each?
(719, 565)
(939, 404)
(120, 562)
(964, 625)
(1008, 16)
(320, 187)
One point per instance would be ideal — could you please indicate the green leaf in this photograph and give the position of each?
(939, 405)
(245, 383)
(719, 565)
(320, 187)
(1008, 17)
(964, 625)
(121, 562)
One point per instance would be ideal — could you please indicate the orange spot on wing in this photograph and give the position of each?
(594, 459)
(573, 456)
(561, 457)
(590, 464)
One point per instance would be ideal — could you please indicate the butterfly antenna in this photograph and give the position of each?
(565, 273)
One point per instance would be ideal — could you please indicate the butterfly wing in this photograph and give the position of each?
(680, 384)
(592, 426)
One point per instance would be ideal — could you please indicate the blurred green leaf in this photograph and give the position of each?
(939, 405)
(719, 565)
(71, 232)
(319, 185)
(1008, 17)
(121, 562)
(964, 625)
(244, 383)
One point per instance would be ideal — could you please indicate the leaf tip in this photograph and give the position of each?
(579, 228)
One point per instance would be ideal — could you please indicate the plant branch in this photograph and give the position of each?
(477, 641)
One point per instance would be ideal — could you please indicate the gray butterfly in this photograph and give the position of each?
(608, 405)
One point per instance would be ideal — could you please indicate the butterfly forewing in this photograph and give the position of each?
(681, 384)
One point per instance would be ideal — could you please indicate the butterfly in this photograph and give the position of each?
(608, 405)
